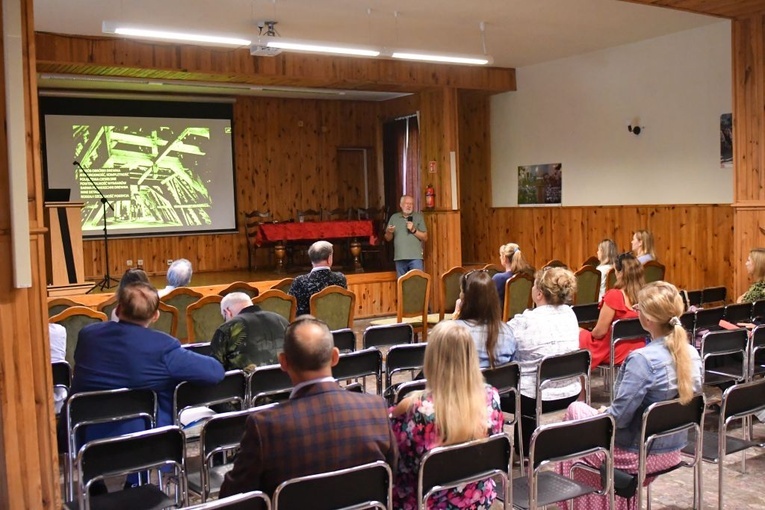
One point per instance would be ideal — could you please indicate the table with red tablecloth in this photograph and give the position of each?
(280, 233)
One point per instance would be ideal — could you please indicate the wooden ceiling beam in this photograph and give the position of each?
(732, 9)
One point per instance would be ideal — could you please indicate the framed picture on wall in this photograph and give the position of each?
(726, 140)
(540, 185)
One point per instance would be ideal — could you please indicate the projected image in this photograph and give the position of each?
(152, 177)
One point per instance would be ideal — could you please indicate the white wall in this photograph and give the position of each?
(575, 111)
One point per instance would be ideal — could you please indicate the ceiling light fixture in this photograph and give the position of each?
(443, 59)
(322, 47)
(165, 35)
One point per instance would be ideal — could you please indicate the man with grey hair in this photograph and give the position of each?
(408, 232)
(321, 276)
(322, 427)
(178, 275)
(250, 337)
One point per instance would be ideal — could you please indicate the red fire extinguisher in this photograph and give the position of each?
(430, 197)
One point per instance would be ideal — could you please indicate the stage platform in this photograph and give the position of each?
(375, 292)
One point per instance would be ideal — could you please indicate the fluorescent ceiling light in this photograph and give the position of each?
(317, 47)
(445, 59)
(165, 35)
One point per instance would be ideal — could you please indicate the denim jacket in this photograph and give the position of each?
(648, 375)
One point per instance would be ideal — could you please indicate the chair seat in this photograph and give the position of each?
(709, 450)
(217, 474)
(552, 488)
(143, 497)
(433, 318)
(414, 321)
(720, 376)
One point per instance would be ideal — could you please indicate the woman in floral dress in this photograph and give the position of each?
(456, 406)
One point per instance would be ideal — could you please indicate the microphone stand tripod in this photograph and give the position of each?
(106, 281)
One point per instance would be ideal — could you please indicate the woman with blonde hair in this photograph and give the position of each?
(616, 304)
(456, 406)
(550, 328)
(668, 367)
(642, 246)
(511, 258)
(607, 254)
(755, 267)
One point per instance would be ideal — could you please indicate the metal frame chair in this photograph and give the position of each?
(560, 367)
(360, 365)
(713, 295)
(623, 330)
(507, 380)
(738, 312)
(254, 500)
(404, 389)
(738, 403)
(344, 339)
(366, 486)
(131, 453)
(94, 407)
(758, 310)
(448, 467)
(722, 343)
(268, 382)
(587, 314)
(708, 319)
(388, 334)
(203, 348)
(232, 389)
(756, 344)
(400, 358)
(557, 442)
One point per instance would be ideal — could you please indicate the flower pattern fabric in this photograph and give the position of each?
(415, 433)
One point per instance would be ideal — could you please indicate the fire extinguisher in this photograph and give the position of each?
(430, 197)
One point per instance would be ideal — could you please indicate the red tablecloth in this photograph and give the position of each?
(314, 230)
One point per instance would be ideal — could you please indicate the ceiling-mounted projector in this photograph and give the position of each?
(261, 50)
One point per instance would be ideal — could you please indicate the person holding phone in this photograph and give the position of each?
(408, 232)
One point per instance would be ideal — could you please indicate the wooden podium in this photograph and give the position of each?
(63, 244)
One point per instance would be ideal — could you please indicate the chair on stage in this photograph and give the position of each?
(335, 306)
(252, 221)
(203, 317)
(379, 218)
(337, 214)
(240, 287)
(274, 300)
(517, 295)
(412, 303)
(309, 215)
(449, 294)
(168, 320)
(587, 285)
(58, 305)
(181, 298)
(74, 318)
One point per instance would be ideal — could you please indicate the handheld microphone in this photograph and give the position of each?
(410, 218)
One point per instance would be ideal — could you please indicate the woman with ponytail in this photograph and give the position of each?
(668, 367)
(511, 257)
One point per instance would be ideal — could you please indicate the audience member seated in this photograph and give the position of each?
(509, 256)
(178, 275)
(128, 354)
(607, 256)
(617, 304)
(321, 276)
(550, 328)
(322, 427)
(755, 268)
(667, 368)
(642, 246)
(250, 337)
(57, 334)
(479, 310)
(131, 276)
(455, 407)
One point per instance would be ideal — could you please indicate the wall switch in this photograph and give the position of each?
(129, 263)
(140, 262)
(169, 261)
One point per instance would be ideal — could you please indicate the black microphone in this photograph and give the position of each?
(410, 218)
(76, 163)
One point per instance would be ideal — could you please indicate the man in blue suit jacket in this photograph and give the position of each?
(322, 427)
(127, 354)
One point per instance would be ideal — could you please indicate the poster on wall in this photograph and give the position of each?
(540, 185)
(726, 140)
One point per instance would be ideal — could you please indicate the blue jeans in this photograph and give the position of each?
(403, 266)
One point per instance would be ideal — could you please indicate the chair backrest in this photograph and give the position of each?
(587, 285)
(181, 298)
(108, 306)
(450, 290)
(240, 287)
(360, 364)
(132, 453)
(627, 329)
(517, 295)
(610, 279)
(74, 318)
(202, 348)
(232, 389)
(344, 339)
(494, 269)
(506, 378)
(268, 383)
(335, 306)
(742, 400)
(253, 500)
(586, 314)
(404, 389)
(738, 312)
(446, 467)
(560, 367)
(709, 317)
(726, 341)
(413, 296)
(570, 439)
(758, 310)
(693, 297)
(203, 317)
(593, 261)
(338, 213)
(279, 302)
(403, 357)
(390, 334)
(688, 320)
(670, 416)
(168, 320)
(92, 407)
(653, 271)
(366, 486)
(283, 285)
(309, 215)
(58, 305)
(256, 216)
(62, 374)
(556, 263)
(713, 295)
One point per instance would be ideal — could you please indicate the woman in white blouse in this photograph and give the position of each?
(550, 328)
